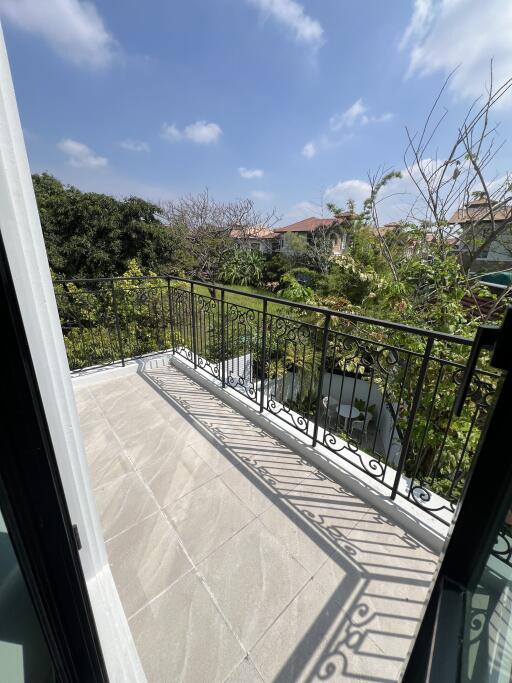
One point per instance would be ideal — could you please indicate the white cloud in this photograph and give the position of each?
(301, 210)
(356, 114)
(171, 133)
(203, 133)
(444, 35)
(134, 145)
(349, 117)
(291, 14)
(398, 200)
(262, 194)
(73, 28)
(341, 192)
(342, 128)
(250, 173)
(309, 150)
(200, 132)
(81, 156)
(382, 118)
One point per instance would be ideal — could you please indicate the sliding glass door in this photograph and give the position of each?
(487, 640)
(466, 632)
(24, 654)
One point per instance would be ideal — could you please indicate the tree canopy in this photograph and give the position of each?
(88, 234)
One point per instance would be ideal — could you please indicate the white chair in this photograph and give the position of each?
(361, 425)
(329, 410)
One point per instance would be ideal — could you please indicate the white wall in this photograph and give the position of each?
(346, 390)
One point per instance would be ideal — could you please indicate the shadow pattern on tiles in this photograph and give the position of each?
(368, 621)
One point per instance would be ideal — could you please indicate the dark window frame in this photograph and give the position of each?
(35, 510)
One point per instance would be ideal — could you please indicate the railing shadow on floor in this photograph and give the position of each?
(386, 571)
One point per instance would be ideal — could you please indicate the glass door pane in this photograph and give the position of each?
(24, 655)
(487, 650)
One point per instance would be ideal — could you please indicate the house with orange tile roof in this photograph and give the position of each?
(308, 227)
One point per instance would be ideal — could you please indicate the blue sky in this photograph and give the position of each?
(290, 102)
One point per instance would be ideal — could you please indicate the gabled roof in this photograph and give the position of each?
(479, 210)
(386, 228)
(308, 225)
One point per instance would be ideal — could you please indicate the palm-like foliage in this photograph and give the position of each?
(242, 267)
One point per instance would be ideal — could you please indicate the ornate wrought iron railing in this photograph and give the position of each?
(377, 394)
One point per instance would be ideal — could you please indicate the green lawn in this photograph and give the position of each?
(247, 301)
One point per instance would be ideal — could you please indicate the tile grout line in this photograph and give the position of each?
(195, 567)
(249, 659)
(189, 558)
(203, 579)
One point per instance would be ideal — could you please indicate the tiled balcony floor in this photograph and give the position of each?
(236, 560)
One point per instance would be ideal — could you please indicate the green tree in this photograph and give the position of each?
(92, 235)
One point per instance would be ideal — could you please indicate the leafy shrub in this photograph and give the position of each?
(293, 290)
(242, 267)
(274, 268)
(306, 276)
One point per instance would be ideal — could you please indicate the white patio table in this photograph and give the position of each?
(348, 412)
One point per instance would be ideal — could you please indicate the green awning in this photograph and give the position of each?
(501, 278)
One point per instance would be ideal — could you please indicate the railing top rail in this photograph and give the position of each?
(440, 336)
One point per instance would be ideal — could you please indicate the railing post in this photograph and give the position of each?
(193, 313)
(263, 355)
(222, 338)
(412, 415)
(171, 320)
(116, 321)
(325, 339)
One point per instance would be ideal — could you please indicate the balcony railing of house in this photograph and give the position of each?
(375, 393)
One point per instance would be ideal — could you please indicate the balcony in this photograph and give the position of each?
(254, 533)
(235, 559)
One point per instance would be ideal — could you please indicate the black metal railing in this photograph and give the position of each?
(378, 394)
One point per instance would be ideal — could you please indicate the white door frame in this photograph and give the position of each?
(26, 254)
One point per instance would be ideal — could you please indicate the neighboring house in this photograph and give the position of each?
(257, 237)
(395, 231)
(475, 224)
(412, 244)
(307, 228)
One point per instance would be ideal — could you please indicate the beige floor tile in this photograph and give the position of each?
(356, 658)
(393, 611)
(122, 503)
(381, 547)
(333, 517)
(111, 393)
(250, 489)
(108, 468)
(315, 639)
(85, 401)
(132, 417)
(171, 478)
(367, 595)
(181, 637)
(245, 672)
(105, 455)
(303, 537)
(294, 645)
(215, 455)
(339, 577)
(90, 414)
(155, 442)
(207, 517)
(145, 560)
(253, 579)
